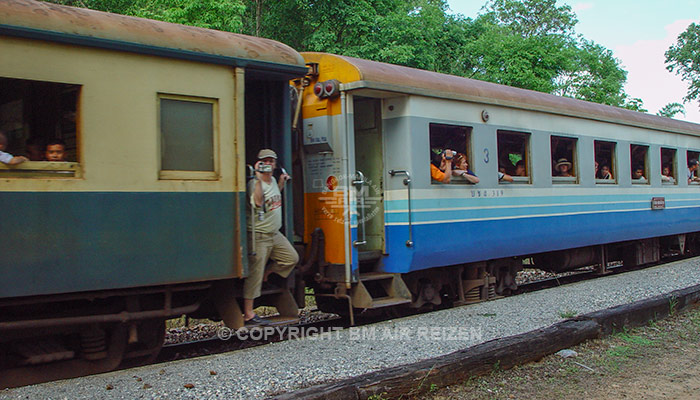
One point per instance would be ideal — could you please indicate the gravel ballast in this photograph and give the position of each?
(285, 366)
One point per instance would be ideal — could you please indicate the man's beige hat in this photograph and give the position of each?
(267, 153)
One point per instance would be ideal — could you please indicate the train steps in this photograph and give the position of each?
(379, 289)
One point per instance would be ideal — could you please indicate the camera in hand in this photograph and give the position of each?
(265, 168)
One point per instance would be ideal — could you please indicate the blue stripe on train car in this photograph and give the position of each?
(453, 243)
(58, 242)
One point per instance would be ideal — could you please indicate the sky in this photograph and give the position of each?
(638, 32)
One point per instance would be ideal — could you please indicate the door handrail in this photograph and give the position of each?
(407, 182)
(249, 177)
(359, 182)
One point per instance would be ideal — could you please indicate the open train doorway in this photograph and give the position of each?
(369, 183)
(265, 102)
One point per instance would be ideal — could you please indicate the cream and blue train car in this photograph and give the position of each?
(145, 217)
(394, 235)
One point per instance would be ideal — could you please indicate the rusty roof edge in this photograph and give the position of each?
(89, 41)
(401, 89)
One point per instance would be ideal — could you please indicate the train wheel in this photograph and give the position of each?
(145, 340)
(97, 349)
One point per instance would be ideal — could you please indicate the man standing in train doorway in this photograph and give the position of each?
(270, 243)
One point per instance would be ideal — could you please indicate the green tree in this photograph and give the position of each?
(593, 74)
(417, 33)
(670, 110)
(683, 58)
(532, 44)
(225, 15)
(634, 104)
(497, 55)
(533, 17)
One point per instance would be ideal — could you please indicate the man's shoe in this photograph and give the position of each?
(256, 321)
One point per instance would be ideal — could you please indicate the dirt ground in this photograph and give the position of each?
(658, 361)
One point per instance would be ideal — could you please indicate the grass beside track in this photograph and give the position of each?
(657, 361)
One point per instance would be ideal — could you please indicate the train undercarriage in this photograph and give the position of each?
(474, 282)
(63, 336)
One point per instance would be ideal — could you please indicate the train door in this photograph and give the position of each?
(268, 125)
(369, 185)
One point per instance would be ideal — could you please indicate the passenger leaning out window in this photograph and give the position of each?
(692, 167)
(441, 166)
(461, 168)
(7, 158)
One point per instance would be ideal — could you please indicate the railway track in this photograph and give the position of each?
(233, 342)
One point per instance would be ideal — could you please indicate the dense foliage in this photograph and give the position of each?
(683, 58)
(530, 44)
(670, 110)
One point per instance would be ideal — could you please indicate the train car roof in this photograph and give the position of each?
(356, 74)
(47, 21)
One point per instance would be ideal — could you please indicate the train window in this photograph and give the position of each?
(513, 155)
(187, 132)
(639, 165)
(450, 137)
(669, 175)
(605, 172)
(692, 172)
(563, 159)
(35, 115)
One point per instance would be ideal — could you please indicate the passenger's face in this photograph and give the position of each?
(606, 169)
(520, 170)
(564, 169)
(55, 152)
(666, 171)
(638, 173)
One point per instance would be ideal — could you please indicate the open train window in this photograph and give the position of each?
(564, 160)
(449, 137)
(639, 166)
(187, 134)
(605, 171)
(513, 155)
(693, 174)
(34, 116)
(669, 175)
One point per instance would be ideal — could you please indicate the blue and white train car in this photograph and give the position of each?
(569, 182)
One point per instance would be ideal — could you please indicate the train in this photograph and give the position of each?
(146, 218)
(426, 241)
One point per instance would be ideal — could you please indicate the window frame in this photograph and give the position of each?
(181, 174)
(645, 166)
(521, 180)
(674, 166)
(568, 180)
(613, 163)
(469, 130)
(687, 160)
(49, 169)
